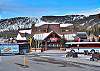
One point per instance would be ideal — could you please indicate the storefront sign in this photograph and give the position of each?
(53, 39)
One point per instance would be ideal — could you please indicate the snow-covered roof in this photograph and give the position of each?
(19, 37)
(25, 31)
(42, 22)
(82, 43)
(82, 24)
(65, 25)
(69, 36)
(81, 33)
(41, 36)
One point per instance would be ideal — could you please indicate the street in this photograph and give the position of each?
(18, 63)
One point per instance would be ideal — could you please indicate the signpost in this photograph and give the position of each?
(26, 62)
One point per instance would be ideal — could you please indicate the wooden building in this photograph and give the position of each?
(48, 41)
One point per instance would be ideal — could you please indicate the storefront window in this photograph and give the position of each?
(57, 45)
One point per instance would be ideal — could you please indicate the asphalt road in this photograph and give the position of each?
(16, 63)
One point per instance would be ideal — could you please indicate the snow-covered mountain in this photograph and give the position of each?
(89, 23)
(62, 19)
(16, 23)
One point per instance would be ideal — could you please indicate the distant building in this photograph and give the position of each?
(82, 35)
(44, 27)
(22, 40)
(23, 35)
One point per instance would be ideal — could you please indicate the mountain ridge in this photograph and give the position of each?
(89, 23)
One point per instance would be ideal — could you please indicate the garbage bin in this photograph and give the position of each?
(75, 55)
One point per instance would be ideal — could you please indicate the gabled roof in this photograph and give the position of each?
(42, 36)
(82, 43)
(65, 25)
(42, 23)
(69, 36)
(19, 37)
(25, 31)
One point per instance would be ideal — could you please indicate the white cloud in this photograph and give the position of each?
(89, 12)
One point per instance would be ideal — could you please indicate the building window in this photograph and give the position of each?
(45, 30)
(63, 30)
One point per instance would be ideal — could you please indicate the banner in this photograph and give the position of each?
(9, 48)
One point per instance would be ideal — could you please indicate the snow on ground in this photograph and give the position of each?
(54, 51)
(82, 56)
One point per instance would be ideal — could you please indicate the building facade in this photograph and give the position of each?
(48, 41)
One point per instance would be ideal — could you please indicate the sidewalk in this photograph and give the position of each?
(83, 61)
(54, 51)
(49, 52)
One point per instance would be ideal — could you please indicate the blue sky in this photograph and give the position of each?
(13, 8)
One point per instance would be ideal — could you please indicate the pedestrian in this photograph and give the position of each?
(93, 39)
(99, 39)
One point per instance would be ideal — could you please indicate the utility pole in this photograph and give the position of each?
(26, 62)
(63, 41)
